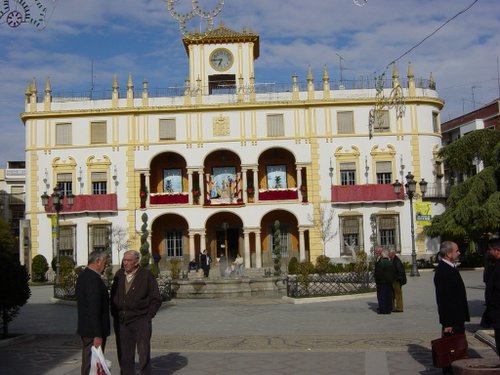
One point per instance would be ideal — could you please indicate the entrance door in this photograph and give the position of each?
(232, 239)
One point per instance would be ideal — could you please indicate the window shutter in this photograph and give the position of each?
(348, 166)
(275, 127)
(167, 129)
(345, 122)
(384, 167)
(99, 177)
(98, 132)
(63, 134)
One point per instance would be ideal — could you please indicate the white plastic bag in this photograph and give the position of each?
(98, 364)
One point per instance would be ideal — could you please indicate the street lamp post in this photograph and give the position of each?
(58, 205)
(411, 186)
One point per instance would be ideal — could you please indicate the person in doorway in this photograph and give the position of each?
(92, 301)
(238, 265)
(135, 300)
(384, 276)
(205, 263)
(193, 265)
(398, 282)
(492, 294)
(451, 297)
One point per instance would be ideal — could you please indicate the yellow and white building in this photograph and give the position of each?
(215, 164)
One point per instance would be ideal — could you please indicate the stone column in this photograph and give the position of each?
(256, 185)
(190, 186)
(202, 186)
(247, 248)
(245, 185)
(302, 245)
(299, 183)
(258, 250)
(191, 245)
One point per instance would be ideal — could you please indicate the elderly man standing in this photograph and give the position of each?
(451, 296)
(92, 301)
(398, 282)
(384, 276)
(135, 299)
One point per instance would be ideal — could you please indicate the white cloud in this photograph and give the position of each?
(140, 37)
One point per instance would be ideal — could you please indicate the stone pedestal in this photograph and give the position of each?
(476, 366)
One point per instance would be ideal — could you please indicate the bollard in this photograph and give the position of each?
(476, 366)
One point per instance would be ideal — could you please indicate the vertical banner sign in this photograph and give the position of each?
(423, 213)
(53, 220)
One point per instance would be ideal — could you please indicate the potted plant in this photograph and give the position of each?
(251, 193)
(196, 196)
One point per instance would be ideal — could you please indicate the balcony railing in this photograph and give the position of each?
(438, 190)
(87, 203)
(346, 194)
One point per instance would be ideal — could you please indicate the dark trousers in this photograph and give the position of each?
(206, 270)
(384, 296)
(87, 353)
(132, 336)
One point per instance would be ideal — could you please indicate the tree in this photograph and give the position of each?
(7, 240)
(14, 288)
(324, 225)
(473, 205)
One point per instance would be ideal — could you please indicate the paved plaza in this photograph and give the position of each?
(258, 335)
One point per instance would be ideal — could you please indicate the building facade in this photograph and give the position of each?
(214, 165)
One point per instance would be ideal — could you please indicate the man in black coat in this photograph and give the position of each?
(92, 300)
(493, 291)
(451, 296)
(205, 263)
(384, 276)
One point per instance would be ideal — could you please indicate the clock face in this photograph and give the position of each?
(221, 59)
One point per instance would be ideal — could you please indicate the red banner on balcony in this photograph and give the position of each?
(87, 203)
(168, 199)
(366, 193)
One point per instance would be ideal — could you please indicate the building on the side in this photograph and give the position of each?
(214, 165)
(485, 117)
(12, 199)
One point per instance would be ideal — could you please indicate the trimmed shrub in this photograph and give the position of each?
(293, 266)
(39, 268)
(323, 264)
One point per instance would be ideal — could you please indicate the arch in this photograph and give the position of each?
(163, 165)
(277, 162)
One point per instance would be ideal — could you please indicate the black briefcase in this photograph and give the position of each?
(447, 349)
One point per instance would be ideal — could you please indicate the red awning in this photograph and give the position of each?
(87, 203)
(366, 193)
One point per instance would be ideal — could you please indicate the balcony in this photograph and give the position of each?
(87, 203)
(178, 198)
(438, 190)
(278, 194)
(369, 193)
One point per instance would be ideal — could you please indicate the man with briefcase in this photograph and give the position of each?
(452, 305)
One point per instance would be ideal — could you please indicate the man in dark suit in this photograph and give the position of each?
(92, 300)
(493, 291)
(135, 300)
(205, 263)
(451, 296)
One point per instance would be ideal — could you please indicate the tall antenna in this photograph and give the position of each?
(92, 77)
(341, 69)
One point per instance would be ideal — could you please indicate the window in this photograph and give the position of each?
(65, 183)
(16, 195)
(384, 172)
(173, 244)
(284, 237)
(381, 124)
(167, 129)
(435, 122)
(98, 132)
(345, 122)
(99, 237)
(275, 126)
(350, 235)
(63, 134)
(387, 231)
(348, 173)
(67, 241)
(99, 182)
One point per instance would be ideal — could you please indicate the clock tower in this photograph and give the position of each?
(222, 59)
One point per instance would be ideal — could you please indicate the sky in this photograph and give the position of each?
(83, 44)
